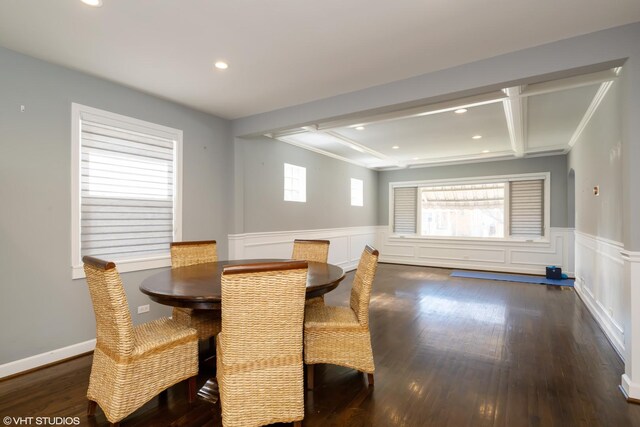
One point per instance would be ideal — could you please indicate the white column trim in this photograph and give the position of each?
(630, 382)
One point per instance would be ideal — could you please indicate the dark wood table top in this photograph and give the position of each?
(199, 286)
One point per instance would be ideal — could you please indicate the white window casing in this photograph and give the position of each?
(126, 190)
(526, 218)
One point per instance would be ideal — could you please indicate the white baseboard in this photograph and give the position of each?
(613, 331)
(346, 244)
(630, 389)
(42, 359)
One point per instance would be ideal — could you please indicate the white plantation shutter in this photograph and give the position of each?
(127, 192)
(405, 207)
(527, 208)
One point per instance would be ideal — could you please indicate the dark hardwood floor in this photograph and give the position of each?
(448, 352)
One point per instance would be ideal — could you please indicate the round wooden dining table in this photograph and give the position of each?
(198, 286)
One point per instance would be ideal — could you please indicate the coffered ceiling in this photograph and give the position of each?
(532, 120)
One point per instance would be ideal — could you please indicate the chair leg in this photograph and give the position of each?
(91, 408)
(370, 379)
(192, 389)
(310, 377)
(297, 424)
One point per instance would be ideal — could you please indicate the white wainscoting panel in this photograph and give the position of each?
(600, 284)
(346, 246)
(507, 256)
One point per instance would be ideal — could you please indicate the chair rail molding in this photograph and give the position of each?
(631, 378)
(346, 244)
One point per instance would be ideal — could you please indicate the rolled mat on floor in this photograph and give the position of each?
(541, 280)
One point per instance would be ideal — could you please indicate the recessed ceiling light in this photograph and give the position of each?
(221, 65)
(395, 147)
(485, 151)
(476, 137)
(359, 127)
(416, 158)
(460, 111)
(94, 3)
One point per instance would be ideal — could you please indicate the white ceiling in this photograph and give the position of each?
(286, 52)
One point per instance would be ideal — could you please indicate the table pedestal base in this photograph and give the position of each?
(209, 391)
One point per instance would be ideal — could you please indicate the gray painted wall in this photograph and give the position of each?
(556, 165)
(596, 159)
(612, 46)
(41, 308)
(260, 186)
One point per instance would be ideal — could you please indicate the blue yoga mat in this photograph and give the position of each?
(511, 278)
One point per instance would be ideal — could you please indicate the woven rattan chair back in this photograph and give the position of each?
(311, 250)
(190, 253)
(263, 311)
(362, 283)
(114, 330)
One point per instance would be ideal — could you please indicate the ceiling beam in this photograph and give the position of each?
(287, 140)
(570, 82)
(423, 110)
(515, 111)
(362, 148)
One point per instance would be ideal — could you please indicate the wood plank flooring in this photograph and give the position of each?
(448, 352)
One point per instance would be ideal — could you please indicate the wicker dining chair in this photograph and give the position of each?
(340, 335)
(311, 250)
(206, 322)
(132, 364)
(259, 363)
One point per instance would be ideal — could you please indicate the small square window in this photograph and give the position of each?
(295, 183)
(357, 192)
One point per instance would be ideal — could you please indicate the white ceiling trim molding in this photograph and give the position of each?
(570, 82)
(493, 157)
(595, 103)
(547, 151)
(407, 113)
(515, 108)
(457, 160)
(317, 150)
(362, 148)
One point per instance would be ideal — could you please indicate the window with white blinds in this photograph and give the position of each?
(526, 200)
(405, 210)
(127, 189)
(505, 207)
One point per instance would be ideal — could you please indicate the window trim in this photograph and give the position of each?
(546, 176)
(129, 123)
